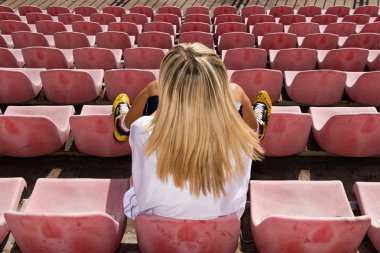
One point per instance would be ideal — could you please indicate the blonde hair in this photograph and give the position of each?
(198, 135)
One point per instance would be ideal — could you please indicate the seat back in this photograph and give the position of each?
(371, 10)
(171, 10)
(359, 19)
(8, 59)
(9, 16)
(197, 10)
(196, 36)
(260, 18)
(278, 41)
(95, 58)
(126, 27)
(169, 18)
(69, 18)
(33, 17)
(246, 11)
(338, 10)
(291, 19)
(29, 39)
(341, 28)
(345, 59)
(363, 40)
(309, 10)
(117, 11)
(102, 18)
(236, 40)
(87, 27)
(44, 57)
(85, 11)
(261, 29)
(321, 41)
(324, 19)
(197, 17)
(113, 40)
(195, 27)
(280, 10)
(158, 26)
(136, 18)
(302, 29)
(71, 40)
(55, 10)
(10, 26)
(363, 88)
(155, 39)
(245, 58)
(143, 57)
(295, 59)
(146, 10)
(223, 18)
(219, 10)
(48, 27)
(24, 9)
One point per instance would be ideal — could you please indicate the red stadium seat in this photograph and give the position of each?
(359, 19)
(155, 39)
(30, 39)
(223, 18)
(71, 40)
(302, 29)
(5, 8)
(10, 26)
(371, 10)
(11, 58)
(293, 59)
(24, 9)
(195, 27)
(371, 28)
(344, 59)
(321, 41)
(28, 131)
(87, 27)
(48, 27)
(201, 37)
(259, 18)
(304, 216)
(341, 28)
(225, 9)
(249, 10)
(114, 40)
(235, 40)
(55, 10)
(207, 235)
(158, 26)
(347, 131)
(229, 27)
(278, 41)
(9, 16)
(261, 29)
(102, 18)
(6, 41)
(340, 11)
(117, 11)
(85, 11)
(127, 27)
(324, 19)
(143, 57)
(33, 17)
(363, 87)
(309, 10)
(373, 61)
(47, 57)
(197, 10)
(169, 18)
(136, 18)
(171, 10)
(97, 58)
(69, 18)
(280, 10)
(291, 19)
(245, 58)
(199, 18)
(363, 40)
(146, 10)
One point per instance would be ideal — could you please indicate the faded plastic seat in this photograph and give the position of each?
(5, 8)
(24, 9)
(87, 27)
(97, 58)
(287, 131)
(131, 28)
(47, 57)
(143, 57)
(309, 10)
(278, 41)
(315, 87)
(294, 59)
(171, 10)
(34, 17)
(229, 27)
(291, 19)
(158, 26)
(263, 28)
(9, 16)
(92, 132)
(235, 40)
(10, 194)
(69, 18)
(223, 18)
(19, 84)
(102, 18)
(48, 27)
(28, 131)
(187, 236)
(367, 195)
(31, 39)
(197, 18)
(130, 81)
(72, 40)
(302, 29)
(321, 41)
(363, 40)
(259, 18)
(6, 41)
(85, 11)
(114, 40)
(136, 18)
(10, 26)
(371, 28)
(155, 39)
(169, 18)
(363, 87)
(225, 9)
(371, 10)
(304, 217)
(344, 59)
(197, 9)
(11, 58)
(205, 38)
(245, 58)
(195, 27)
(72, 86)
(338, 10)
(71, 215)
(117, 11)
(249, 10)
(142, 9)
(373, 61)
(324, 19)
(341, 28)
(55, 10)
(347, 131)
(359, 19)
(254, 80)
(280, 10)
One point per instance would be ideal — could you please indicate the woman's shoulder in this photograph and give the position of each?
(142, 123)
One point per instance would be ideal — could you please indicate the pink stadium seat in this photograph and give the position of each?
(280, 10)
(304, 217)
(69, 18)
(196, 10)
(245, 58)
(55, 10)
(33, 17)
(143, 57)
(302, 29)
(187, 236)
(130, 81)
(249, 10)
(291, 19)
(97, 58)
(47, 57)
(10, 26)
(223, 18)
(11, 58)
(171, 10)
(341, 28)
(344, 59)
(117, 11)
(225, 9)
(71, 215)
(309, 10)
(24, 9)
(9, 16)
(195, 27)
(71, 40)
(92, 132)
(373, 61)
(338, 10)
(10, 194)
(136, 18)
(158, 26)
(72, 86)
(5, 8)
(315, 87)
(367, 194)
(169, 18)
(102, 18)
(85, 11)
(278, 41)
(19, 85)
(364, 87)
(201, 37)
(4, 42)
(87, 27)
(371, 10)
(235, 40)
(321, 41)
(293, 59)
(363, 40)
(199, 18)
(155, 39)
(359, 19)
(48, 27)
(28, 131)
(146, 10)
(324, 19)
(371, 28)
(130, 28)
(261, 29)
(229, 27)
(30, 39)
(347, 131)
(287, 131)
(113, 40)
(254, 80)
(259, 18)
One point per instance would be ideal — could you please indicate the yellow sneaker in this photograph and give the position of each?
(120, 108)
(263, 108)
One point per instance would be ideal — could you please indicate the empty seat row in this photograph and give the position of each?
(27, 131)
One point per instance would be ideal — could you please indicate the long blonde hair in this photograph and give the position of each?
(198, 135)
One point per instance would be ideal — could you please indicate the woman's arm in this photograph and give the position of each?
(247, 110)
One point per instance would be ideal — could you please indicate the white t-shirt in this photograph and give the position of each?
(154, 196)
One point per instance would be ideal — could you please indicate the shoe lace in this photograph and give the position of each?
(259, 110)
(124, 108)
